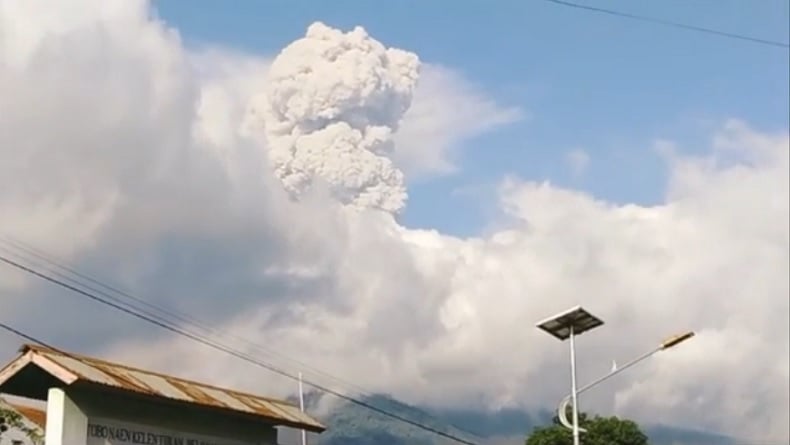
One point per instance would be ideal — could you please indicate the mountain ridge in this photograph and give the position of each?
(352, 424)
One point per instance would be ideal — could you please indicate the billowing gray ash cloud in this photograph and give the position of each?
(331, 106)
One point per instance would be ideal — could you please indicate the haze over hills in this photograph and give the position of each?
(307, 196)
(351, 424)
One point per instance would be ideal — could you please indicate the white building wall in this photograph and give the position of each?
(71, 414)
(67, 423)
(82, 408)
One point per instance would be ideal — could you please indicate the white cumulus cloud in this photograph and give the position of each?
(446, 111)
(257, 193)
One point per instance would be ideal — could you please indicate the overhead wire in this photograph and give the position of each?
(229, 350)
(670, 23)
(152, 317)
(27, 337)
(183, 317)
(180, 316)
(156, 320)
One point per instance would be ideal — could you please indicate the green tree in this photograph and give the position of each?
(10, 419)
(600, 431)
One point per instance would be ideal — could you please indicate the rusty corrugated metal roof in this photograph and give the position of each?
(37, 416)
(72, 368)
(31, 417)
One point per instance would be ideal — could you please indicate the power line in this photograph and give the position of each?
(222, 348)
(32, 339)
(21, 334)
(182, 317)
(217, 346)
(670, 23)
(114, 299)
(187, 319)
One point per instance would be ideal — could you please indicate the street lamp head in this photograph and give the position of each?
(567, 325)
(576, 318)
(675, 340)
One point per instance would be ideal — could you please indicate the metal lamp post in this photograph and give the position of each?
(666, 344)
(566, 326)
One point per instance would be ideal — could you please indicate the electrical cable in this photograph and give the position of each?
(222, 348)
(670, 23)
(182, 317)
(49, 259)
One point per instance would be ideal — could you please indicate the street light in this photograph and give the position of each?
(666, 344)
(566, 326)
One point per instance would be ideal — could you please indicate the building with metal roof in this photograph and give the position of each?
(111, 399)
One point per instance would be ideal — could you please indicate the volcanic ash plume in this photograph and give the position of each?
(332, 103)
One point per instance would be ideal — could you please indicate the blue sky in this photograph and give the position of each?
(607, 85)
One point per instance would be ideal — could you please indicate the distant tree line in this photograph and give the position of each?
(600, 431)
